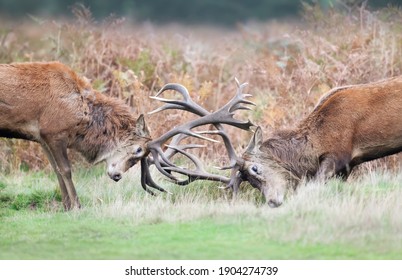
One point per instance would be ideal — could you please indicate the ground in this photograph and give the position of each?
(354, 220)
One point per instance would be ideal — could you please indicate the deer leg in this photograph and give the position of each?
(332, 165)
(64, 194)
(326, 170)
(58, 150)
(345, 172)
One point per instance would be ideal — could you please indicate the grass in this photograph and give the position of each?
(360, 219)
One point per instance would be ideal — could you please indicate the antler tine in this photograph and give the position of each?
(194, 175)
(159, 156)
(235, 180)
(225, 115)
(187, 104)
(165, 156)
(240, 86)
(189, 146)
(162, 167)
(166, 107)
(240, 98)
(161, 161)
(228, 145)
(146, 178)
(199, 173)
(238, 105)
(165, 166)
(193, 158)
(237, 82)
(198, 135)
(169, 153)
(177, 87)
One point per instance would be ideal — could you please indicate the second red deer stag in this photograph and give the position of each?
(49, 104)
(350, 125)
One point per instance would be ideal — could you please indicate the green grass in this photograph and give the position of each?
(61, 236)
(357, 220)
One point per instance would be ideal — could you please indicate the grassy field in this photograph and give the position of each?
(360, 219)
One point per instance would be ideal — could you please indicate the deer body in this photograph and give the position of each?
(349, 126)
(49, 104)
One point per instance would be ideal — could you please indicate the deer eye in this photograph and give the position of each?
(254, 168)
(139, 150)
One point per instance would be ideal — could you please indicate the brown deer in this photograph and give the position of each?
(349, 125)
(49, 104)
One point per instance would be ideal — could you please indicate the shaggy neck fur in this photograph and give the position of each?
(291, 152)
(110, 122)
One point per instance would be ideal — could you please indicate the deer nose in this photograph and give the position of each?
(274, 203)
(116, 177)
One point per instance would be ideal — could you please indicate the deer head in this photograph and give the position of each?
(130, 151)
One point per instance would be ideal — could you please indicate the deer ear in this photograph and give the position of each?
(141, 128)
(255, 141)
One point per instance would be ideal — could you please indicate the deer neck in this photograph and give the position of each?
(292, 152)
(109, 122)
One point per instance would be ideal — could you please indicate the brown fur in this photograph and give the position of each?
(349, 126)
(48, 103)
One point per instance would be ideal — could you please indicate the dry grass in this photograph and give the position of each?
(288, 65)
(358, 212)
(362, 212)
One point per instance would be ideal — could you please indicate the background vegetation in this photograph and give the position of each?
(288, 64)
(284, 63)
(223, 12)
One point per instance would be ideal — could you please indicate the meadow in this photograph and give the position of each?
(355, 220)
(288, 66)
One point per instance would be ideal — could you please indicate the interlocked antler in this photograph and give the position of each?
(162, 159)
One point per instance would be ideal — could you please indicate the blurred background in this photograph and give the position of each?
(222, 12)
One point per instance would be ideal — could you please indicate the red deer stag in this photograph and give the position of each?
(349, 125)
(49, 104)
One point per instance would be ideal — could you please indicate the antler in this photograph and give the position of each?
(162, 159)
